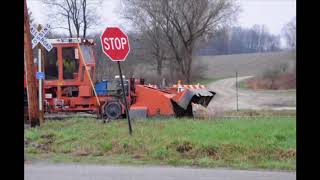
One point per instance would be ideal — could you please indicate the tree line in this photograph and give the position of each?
(168, 32)
(236, 40)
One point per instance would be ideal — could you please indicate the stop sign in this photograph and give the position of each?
(115, 44)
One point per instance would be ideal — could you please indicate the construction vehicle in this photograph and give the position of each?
(69, 86)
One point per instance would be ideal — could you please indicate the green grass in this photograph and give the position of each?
(240, 143)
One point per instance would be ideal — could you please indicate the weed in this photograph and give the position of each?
(184, 147)
(280, 137)
(105, 146)
(160, 154)
(210, 150)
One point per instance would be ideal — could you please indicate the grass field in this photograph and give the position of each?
(245, 64)
(224, 66)
(240, 143)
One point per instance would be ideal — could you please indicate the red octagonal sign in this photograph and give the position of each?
(115, 44)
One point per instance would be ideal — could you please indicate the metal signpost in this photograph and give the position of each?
(39, 37)
(115, 44)
(237, 89)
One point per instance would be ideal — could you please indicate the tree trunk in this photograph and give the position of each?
(78, 31)
(188, 70)
(159, 62)
(188, 64)
(84, 7)
(183, 72)
(69, 26)
(159, 67)
(171, 68)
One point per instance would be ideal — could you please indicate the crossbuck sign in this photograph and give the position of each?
(40, 37)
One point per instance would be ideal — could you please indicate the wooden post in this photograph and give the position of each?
(30, 74)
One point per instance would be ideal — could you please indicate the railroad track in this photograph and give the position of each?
(59, 116)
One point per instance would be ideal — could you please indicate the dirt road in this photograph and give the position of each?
(226, 98)
(100, 172)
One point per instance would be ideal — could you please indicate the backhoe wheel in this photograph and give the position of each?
(112, 110)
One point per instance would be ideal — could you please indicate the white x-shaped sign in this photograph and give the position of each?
(39, 37)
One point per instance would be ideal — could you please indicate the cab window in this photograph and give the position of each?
(51, 64)
(70, 59)
(87, 54)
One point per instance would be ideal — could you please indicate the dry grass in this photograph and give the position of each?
(261, 113)
(280, 82)
(245, 64)
(208, 112)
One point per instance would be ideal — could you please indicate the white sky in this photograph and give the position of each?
(273, 13)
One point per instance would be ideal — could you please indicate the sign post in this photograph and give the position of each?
(115, 44)
(39, 37)
(125, 99)
(237, 90)
(41, 118)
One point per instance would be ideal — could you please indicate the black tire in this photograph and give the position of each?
(112, 110)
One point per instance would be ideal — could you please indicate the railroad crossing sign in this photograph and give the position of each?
(40, 37)
(115, 44)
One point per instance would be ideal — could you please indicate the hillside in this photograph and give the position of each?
(245, 64)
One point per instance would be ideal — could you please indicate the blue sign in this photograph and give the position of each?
(40, 75)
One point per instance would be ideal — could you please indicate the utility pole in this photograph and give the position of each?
(237, 89)
(30, 74)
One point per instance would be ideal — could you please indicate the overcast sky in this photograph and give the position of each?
(273, 13)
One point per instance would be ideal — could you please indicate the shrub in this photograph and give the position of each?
(278, 77)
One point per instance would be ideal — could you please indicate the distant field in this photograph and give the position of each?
(244, 143)
(245, 64)
(213, 68)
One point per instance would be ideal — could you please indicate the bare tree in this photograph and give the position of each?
(289, 32)
(60, 14)
(157, 47)
(75, 9)
(151, 35)
(76, 16)
(184, 22)
(84, 17)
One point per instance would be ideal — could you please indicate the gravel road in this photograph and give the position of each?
(226, 98)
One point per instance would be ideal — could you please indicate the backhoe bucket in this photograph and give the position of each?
(182, 102)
